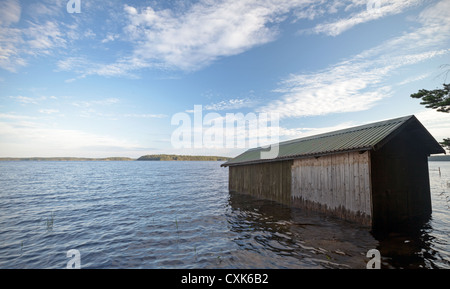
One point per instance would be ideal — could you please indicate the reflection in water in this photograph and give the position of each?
(311, 240)
(416, 246)
(404, 249)
(302, 239)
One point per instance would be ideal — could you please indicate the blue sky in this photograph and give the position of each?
(108, 81)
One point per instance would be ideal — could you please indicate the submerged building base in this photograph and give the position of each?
(339, 212)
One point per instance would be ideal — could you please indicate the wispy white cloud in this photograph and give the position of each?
(24, 99)
(431, 35)
(195, 37)
(48, 111)
(84, 67)
(73, 63)
(187, 37)
(10, 38)
(349, 86)
(110, 37)
(13, 116)
(10, 12)
(31, 100)
(123, 67)
(101, 102)
(16, 44)
(229, 104)
(367, 10)
(359, 82)
(415, 78)
(41, 38)
(34, 30)
(42, 8)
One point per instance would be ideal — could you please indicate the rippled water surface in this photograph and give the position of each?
(181, 215)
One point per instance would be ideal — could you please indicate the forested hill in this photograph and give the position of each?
(181, 158)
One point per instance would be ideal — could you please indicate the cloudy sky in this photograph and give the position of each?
(109, 80)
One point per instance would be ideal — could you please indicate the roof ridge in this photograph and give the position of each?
(365, 136)
(349, 129)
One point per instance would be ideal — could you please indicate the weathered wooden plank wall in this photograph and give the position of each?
(339, 184)
(270, 181)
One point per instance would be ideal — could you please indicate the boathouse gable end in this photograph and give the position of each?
(400, 178)
(375, 174)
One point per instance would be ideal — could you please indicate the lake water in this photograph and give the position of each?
(181, 215)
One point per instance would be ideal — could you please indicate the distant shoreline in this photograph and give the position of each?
(162, 157)
(65, 159)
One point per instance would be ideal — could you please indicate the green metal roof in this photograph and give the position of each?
(366, 137)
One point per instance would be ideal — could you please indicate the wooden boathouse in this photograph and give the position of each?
(374, 174)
